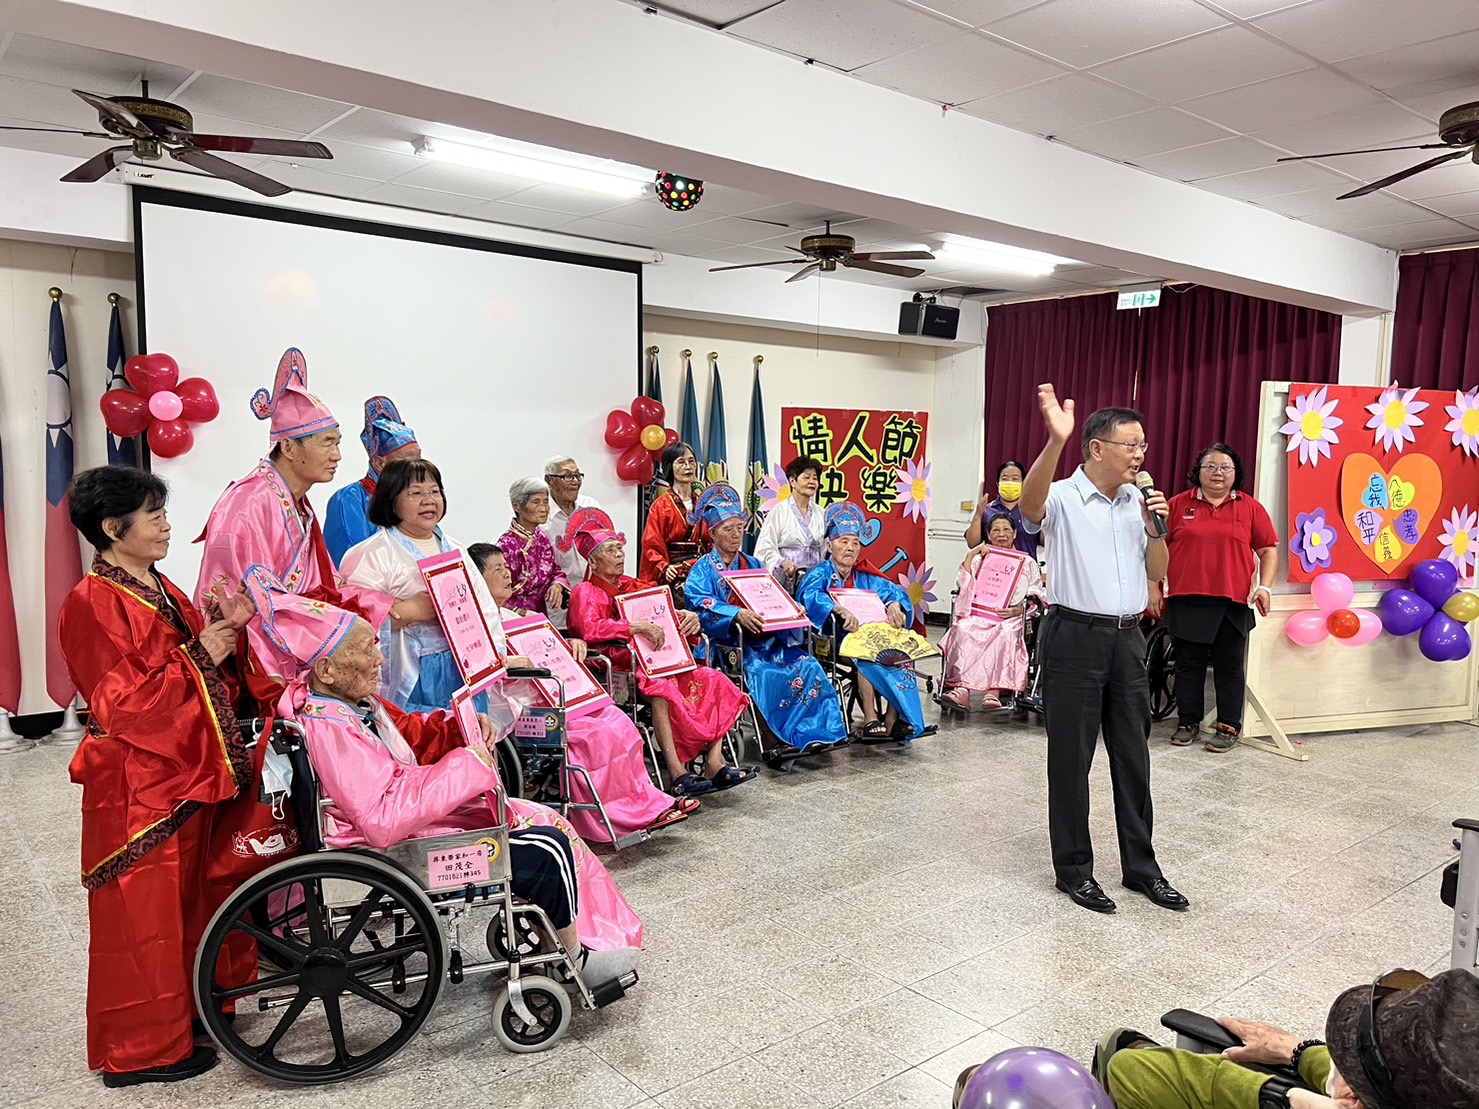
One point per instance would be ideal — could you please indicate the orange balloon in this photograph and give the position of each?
(654, 438)
(1343, 623)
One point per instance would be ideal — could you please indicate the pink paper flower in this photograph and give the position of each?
(919, 584)
(1460, 540)
(913, 484)
(1465, 422)
(1311, 426)
(774, 490)
(1394, 415)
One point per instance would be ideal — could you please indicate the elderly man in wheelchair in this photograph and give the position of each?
(417, 832)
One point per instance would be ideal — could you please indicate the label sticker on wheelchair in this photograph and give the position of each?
(535, 725)
(457, 866)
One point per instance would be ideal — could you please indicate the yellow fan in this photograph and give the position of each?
(888, 645)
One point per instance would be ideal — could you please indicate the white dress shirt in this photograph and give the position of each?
(1095, 548)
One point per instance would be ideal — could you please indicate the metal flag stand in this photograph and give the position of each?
(10, 743)
(70, 732)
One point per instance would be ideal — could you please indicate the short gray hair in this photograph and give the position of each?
(554, 464)
(526, 487)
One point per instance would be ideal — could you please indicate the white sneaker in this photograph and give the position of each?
(603, 966)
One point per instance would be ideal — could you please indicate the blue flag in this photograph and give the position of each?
(653, 384)
(121, 452)
(757, 464)
(689, 428)
(716, 452)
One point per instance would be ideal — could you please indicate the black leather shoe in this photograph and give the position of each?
(200, 1061)
(1087, 894)
(1162, 893)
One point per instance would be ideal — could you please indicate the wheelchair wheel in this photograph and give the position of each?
(528, 939)
(510, 769)
(1160, 671)
(331, 962)
(546, 1001)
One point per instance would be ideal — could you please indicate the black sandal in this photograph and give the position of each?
(873, 731)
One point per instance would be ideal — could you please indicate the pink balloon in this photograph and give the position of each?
(1371, 627)
(1332, 591)
(165, 405)
(1307, 628)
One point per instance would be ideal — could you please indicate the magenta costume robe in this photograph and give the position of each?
(702, 704)
(984, 653)
(413, 777)
(533, 566)
(256, 523)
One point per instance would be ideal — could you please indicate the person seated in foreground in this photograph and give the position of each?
(691, 712)
(903, 718)
(789, 688)
(379, 793)
(1402, 1042)
(987, 652)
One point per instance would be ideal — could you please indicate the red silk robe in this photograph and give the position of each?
(670, 539)
(161, 757)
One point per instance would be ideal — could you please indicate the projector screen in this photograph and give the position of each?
(499, 355)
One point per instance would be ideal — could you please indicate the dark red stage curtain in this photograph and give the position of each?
(1435, 331)
(1193, 366)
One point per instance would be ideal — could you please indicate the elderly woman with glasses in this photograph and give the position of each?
(540, 586)
(1221, 542)
(675, 536)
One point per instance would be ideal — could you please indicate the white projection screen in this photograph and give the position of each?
(499, 355)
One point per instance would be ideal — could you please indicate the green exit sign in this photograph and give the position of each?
(1139, 298)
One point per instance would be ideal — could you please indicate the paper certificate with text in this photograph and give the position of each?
(655, 606)
(536, 638)
(461, 618)
(865, 604)
(761, 594)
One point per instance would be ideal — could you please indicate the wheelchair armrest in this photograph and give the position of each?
(530, 672)
(1200, 1028)
(1467, 825)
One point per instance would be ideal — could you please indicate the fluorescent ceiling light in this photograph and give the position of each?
(999, 256)
(538, 163)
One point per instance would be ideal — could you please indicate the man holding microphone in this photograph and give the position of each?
(1104, 539)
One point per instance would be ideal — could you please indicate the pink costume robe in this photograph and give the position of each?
(606, 744)
(702, 704)
(255, 523)
(416, 778)
(985, 654)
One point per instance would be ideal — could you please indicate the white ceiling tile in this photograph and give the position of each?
(1313, 205)
(1374, 167)
(215, 125)
(1134, 136)
(800, 217)
(1455, 177)
(290, 111)
(561, 198)
(842, 35)
(1248, 9)
(1060, 104)
(965, 67)
(391, 132)
(495, 211)
(1078, 33)
(1099, 275)
(69, 66)
(1377, 211)
(1370, 125)
(1289, 99)
(690, 246)
(646, 211)
(1460, 205)
(1432, 98)
(1333, 30)
(1203, 64)
(49, 105)
(311, 179)
(425, 200)
(367, 161)
(73, 146)
(1433, 232)
(463, 180)
(1211, 159)
(977, 13)
(595, 228)
(721, 200)
(1445, 58)
(743, 255)
(1274, 180)
(717, 12)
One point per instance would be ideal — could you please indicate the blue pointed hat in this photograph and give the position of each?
(384, 431)
(844, 519)
(719, 502)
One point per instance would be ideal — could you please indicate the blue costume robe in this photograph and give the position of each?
(897, 685)
(347, 519)
(787, 685)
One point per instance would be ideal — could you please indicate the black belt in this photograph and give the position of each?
(1121, 622)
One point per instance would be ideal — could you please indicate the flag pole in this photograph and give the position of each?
(70, 732)
(10, 743)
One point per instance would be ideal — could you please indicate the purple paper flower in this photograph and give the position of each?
(1312, 540)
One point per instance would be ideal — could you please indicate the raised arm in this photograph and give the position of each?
(1058, 418)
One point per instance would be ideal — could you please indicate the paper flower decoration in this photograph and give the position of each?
(913, 485)
(919, 584)
(1311, 426)
(1465, 422)
(1394, 415)
(775, 490)
(1460, 540)
(1312, 539)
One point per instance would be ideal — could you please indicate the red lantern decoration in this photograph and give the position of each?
(164, 406)
(639, 435)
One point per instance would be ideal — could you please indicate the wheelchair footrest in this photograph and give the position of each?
(614, 990)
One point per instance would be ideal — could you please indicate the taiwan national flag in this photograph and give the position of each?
(121, 452)
(10, 646)
(63, 551)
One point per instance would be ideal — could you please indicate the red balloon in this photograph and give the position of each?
(621, 429)
(198, 400)
(646, 411)
(149, 373)
(170, 438)
(1343, 623)
(635, 465)
(126, 413)
(673, 437)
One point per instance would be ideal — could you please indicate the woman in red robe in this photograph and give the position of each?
(161, 756)
(671, 544)
(691, 712)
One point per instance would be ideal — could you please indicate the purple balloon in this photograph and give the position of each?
(1444, 639)
(1434, 581)
(1033, 1078)
(1403, 612)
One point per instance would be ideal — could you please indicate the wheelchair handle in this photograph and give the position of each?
(531, 673)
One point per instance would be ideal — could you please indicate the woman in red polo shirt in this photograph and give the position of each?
(1221, 540)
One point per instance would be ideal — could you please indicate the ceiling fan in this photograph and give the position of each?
(1458, 128)
(152, 128)
(825, 252)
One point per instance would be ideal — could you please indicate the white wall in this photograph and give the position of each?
(86, 277)
(1365, 349)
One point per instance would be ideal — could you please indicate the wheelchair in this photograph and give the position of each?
(843, 674)
(352, 946)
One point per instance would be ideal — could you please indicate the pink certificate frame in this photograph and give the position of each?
(865, 604)
(537, 638)
(655, 606)
(996, 580)
(461, 617)
(761, 594)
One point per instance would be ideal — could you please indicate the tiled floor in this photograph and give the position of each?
(858, 931)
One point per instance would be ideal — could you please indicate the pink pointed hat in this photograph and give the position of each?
(294, 411)
(588, 529)
(301, 627)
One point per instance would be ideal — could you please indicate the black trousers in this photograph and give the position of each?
(544, 873)
(1227, 654)
(1093, 679)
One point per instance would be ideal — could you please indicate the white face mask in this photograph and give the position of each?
(277, 778)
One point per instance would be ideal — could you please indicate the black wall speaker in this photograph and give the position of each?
(935, 320)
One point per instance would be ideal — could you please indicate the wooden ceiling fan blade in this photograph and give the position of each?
(1372, 150)
(895, 255)
(801, 275)
(880, 267)
(757, 265)
(100, 165)
(126, 121)
(61, 131)
(229, 171)
(246, 144)
(1406, 173)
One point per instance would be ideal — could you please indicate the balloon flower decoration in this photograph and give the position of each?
(164, 406)
(639, 435)
(1033, 1078)
(1333, 594)
(1433, 608)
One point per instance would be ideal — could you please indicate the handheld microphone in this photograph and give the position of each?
(1146, 484)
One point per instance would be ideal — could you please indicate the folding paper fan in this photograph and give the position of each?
(886, 644)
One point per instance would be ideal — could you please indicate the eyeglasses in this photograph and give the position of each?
(568, 477)
(1368, 1049)
(1225, 468)
(1133, 448)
